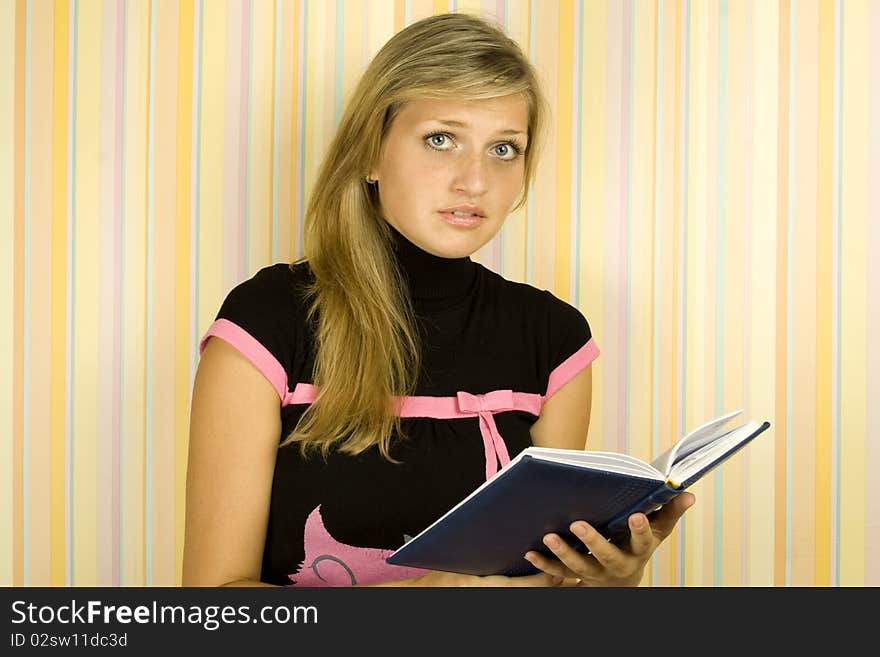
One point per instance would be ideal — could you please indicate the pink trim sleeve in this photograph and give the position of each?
(250, 348)
(572, 365)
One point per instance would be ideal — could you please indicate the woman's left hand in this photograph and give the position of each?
(608, 564)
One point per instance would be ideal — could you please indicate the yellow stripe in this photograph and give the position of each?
(762, 375)
(803, 302)
(782, 392)
(853, 337)
(545, 210)
(132, 572)
(562, 217)
(733, 276)
(294, 136)
(85, 325)
(182, 277)
(57, 400)
(211, 159)
(668, 221)
(163, 359)
(7, 286)
(440, 7)
(823, 296)
(642, 233)
(262, 125)
(594, 31)
(699, 538)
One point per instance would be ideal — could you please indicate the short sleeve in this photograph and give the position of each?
(256, 318)
(571, 344)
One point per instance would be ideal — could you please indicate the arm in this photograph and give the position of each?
(234, 433)
(565, 416)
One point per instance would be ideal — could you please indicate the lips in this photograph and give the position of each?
(467, 210)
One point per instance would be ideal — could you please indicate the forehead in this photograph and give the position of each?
(489, 114)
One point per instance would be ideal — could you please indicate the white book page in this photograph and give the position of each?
(608, 461)
(699, 459)
(693, 441)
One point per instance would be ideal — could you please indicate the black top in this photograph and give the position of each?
(493, 351)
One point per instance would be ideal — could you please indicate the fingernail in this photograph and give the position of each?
(551, 542)
(638, 522)
(557, 581)
(579, 530)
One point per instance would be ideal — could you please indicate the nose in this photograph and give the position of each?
(471, 175)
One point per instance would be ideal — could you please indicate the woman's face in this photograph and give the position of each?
(441, 155)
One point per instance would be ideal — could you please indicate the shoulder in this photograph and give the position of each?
(270, 285)
(262, 317)
(560, 330)
(559, 317)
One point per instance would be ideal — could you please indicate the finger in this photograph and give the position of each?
(642, 540)
(664, 520)
(571, 559)
(606, 554)
(551, 565)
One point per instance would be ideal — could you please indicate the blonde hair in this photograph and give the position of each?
(367, 352)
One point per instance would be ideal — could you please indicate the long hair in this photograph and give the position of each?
(367, 351)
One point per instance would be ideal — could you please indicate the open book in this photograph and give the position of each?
(544, 490)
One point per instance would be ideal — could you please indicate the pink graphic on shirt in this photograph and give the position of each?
(328, 562)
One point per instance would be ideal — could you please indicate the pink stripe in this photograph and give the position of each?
(251, 349)
(571, 366)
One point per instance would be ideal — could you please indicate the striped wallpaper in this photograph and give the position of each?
(710, 201)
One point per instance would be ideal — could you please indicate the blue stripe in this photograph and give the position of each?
(788, 293)
(26, 346)
(720, 219)
(658, 212)
(148, 529)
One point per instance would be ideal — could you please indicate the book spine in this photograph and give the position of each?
(617, 528)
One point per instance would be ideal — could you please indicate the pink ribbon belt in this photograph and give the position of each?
(464, 404)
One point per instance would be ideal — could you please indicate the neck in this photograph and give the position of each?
(430, 276)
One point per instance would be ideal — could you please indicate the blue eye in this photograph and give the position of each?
(434, 136)
(511, 152)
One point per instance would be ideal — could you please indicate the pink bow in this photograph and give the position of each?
(484, 406)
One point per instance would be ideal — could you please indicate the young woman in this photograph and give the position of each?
(351, 398)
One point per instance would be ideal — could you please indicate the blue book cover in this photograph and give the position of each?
(544, 490)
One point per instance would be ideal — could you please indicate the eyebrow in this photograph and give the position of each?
(459, 124)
